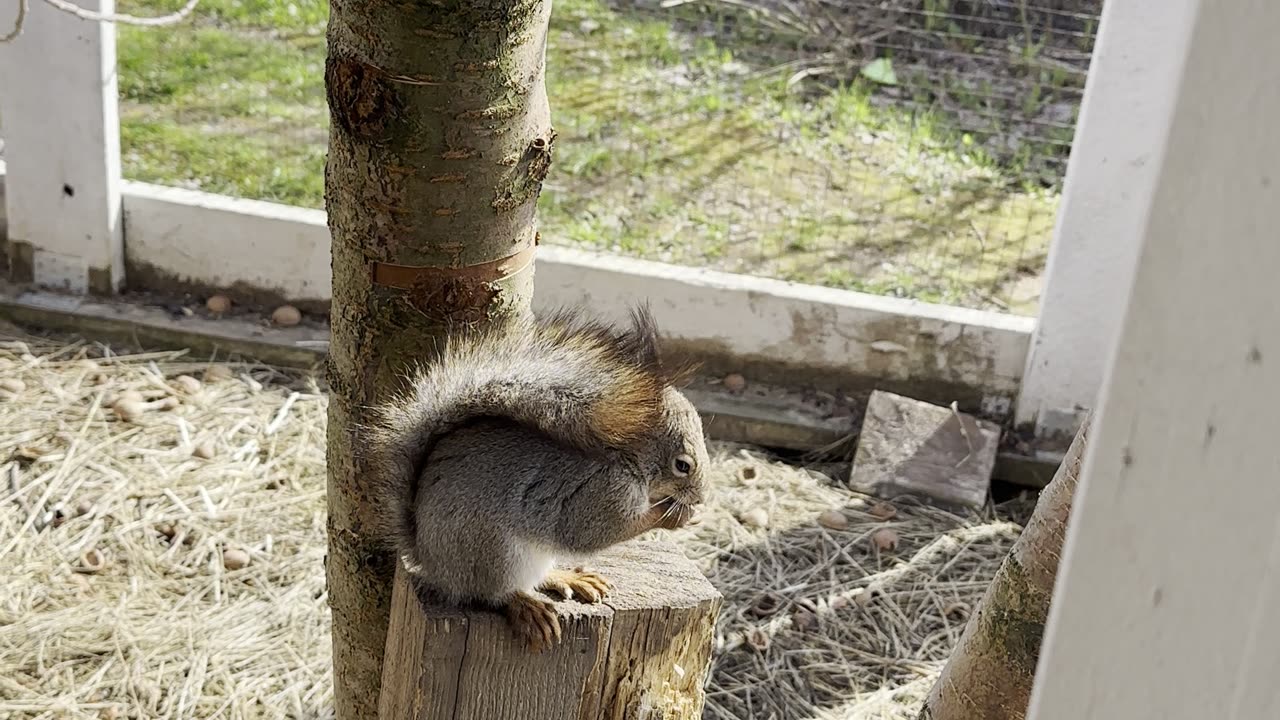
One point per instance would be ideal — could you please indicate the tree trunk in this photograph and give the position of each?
(440, 138)
(991, 671)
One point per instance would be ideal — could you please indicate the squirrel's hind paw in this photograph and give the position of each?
(534, 621)
(582, 584)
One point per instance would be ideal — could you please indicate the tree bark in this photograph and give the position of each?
(440, 138)
(991, 672)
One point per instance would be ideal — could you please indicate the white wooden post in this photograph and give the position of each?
(1168, 605)
(1110, 176)
(58, 116)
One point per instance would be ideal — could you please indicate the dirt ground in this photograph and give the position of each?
(169, 564)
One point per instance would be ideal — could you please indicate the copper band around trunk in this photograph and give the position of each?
(408, 277)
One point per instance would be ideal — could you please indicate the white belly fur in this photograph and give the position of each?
(532, 563)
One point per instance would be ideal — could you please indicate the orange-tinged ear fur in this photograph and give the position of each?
(630, 408)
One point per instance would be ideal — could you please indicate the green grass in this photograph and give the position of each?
(670, 148)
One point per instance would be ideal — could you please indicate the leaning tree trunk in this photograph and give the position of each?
(991, 671)
(440, 137)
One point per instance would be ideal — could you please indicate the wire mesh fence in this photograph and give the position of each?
(905, 147)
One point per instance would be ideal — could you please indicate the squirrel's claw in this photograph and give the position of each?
(556, 587)
(582, 584)
(534, 621)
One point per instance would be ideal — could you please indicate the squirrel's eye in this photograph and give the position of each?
(682, 465)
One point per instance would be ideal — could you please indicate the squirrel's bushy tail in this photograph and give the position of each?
(574, 379)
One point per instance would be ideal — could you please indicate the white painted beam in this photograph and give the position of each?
(58, 106)
(221, 242)
(4, 215)
(216, 241)
(1168, 603)
(1110, 178)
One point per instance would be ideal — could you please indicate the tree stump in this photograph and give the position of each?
(642, 653)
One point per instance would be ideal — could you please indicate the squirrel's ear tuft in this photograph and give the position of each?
(640, 343)
(644, 347)
(679, 372)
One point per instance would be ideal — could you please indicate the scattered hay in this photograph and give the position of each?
(818, 623)
(143, 579)
(160, 628)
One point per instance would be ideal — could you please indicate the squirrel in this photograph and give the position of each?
(515, 449)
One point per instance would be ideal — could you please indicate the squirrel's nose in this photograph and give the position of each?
(691, 495)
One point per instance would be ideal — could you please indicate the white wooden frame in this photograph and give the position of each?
(58, 115)
(185, 234)
(1168, 602)
(1111, 174)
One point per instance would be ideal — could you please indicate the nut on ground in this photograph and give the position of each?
(833, 520)
(92, 561)
(885, 540)
(217, 373)
(187, 384)
(755, 518)
(235, 559)
(218, 304)
(883, 511)
(286, 316)
(129, 410)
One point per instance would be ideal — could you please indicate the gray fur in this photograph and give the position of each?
(483, 517)
(487, 468)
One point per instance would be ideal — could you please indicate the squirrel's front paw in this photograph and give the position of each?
(586, 586)
(534, 621)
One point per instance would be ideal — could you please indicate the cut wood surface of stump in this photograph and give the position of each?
(913, 447)
(643, 653)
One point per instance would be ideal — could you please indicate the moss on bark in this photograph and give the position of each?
(992, 670)
(440, 137)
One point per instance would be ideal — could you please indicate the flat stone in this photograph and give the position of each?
(917, 448)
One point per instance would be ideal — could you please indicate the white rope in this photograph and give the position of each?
(17, 24)
(73, 9)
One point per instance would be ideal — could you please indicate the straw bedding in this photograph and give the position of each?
(169, 565)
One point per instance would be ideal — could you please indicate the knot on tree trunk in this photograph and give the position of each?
(362, 100)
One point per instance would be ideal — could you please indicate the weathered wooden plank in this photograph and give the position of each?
(908, 446)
